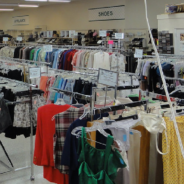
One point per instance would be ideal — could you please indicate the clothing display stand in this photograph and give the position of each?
(31, 126)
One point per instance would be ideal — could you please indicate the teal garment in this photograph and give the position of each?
(55, 85)
(98, 166)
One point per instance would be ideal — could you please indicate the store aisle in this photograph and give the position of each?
(18, 150)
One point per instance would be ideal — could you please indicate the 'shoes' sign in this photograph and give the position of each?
(21, 20)
(107, 13)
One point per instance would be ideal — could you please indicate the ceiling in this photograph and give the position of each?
(24, 2)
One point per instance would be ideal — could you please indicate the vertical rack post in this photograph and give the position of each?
(31, 136)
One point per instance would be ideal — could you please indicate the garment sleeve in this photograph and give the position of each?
(38, 152)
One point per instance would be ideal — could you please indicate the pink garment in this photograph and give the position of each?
(52, 79)
(74, 60)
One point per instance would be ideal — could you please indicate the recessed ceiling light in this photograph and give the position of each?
(37, 0)
(6, 9)
(28, 5)
(60, 1)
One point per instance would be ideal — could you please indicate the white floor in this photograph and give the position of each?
(19, 152)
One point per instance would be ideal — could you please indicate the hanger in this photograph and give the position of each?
(77, 104)
(60, 101)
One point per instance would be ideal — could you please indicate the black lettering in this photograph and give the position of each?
(111, 13)
(107, 13)
(99, 14)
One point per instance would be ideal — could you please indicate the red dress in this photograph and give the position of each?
(44, 154)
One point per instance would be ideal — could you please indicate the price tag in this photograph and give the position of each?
(5, 39)
(119, 36)
(138, 53)
(19, 38)
(107, 77)
(47, 48)
(34, 72)
(103, 33)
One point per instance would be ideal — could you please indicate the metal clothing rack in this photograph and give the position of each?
(31, 127)
(155, 95)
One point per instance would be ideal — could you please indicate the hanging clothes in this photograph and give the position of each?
(43, 154)
(108, 162)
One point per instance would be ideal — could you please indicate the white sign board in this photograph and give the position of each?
(19, 38)
(119, 36)
(47, 48)
(34, 73)
(72, 33)
(138, 53)
(107, 77)
(21, 20)
(107, 13)
(103, 33)
(5, 39)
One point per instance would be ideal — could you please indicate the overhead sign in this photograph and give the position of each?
(107, 77)
(21, 20)
(107, 13)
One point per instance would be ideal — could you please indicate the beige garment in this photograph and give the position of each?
(152, 159)
(133, 158)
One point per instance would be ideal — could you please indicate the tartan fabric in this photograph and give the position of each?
(62, 123)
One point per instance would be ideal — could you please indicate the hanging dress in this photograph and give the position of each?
(98, 166)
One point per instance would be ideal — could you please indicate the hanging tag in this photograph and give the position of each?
(47, 48)
(107, 77)
(119, 36)
(5, 39)
(138, 53)
(34, 72)
(103, 33)
(19, 38)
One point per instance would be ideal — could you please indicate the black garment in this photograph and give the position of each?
(153, 79)
(16, 52)
(4, 116)
(15, 75)
(131, 63)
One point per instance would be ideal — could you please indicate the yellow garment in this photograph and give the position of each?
(173, 162)
(92, 135)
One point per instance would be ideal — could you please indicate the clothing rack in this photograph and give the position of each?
(155, 95)
(120, 107)
(31, 136)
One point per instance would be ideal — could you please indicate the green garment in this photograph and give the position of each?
(98, 166)
(135, 95)
(32, 54)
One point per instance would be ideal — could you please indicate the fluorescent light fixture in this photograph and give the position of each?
(37, 0)
(60, 1)
(8, 5)
(28, 5)
(6, 9)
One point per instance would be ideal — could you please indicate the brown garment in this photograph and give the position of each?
(144, 155)
(159, 168)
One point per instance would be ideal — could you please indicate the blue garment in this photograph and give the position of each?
(158, 71)
(69, 154)
(55, 85)
(59, 87)
(63, 87)
(69, 87)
